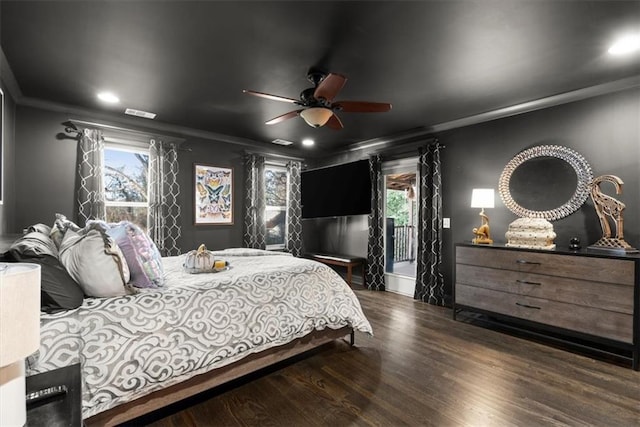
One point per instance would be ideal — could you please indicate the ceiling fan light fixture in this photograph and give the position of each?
(316, 116)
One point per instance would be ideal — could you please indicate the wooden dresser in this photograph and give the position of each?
(577, 296)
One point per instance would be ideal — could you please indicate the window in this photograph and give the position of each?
(276, 182)
(125, 173)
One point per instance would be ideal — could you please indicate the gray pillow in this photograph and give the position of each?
(60, 226)
(34, 244)
(58, 290)
(42, 228)
(95, 262)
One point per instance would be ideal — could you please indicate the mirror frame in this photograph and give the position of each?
(577, 162)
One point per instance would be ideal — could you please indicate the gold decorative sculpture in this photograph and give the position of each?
(483, 233)
(482, 198)
(609, 207)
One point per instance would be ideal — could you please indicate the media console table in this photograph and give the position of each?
(582, 299)
(343, 261)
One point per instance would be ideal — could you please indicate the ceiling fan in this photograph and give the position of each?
(317, 101)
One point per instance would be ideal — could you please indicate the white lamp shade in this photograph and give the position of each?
(316, 116)
(19, 311)
(482, 198)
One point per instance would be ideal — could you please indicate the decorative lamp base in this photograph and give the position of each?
(482, 241)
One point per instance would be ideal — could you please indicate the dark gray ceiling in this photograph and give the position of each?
(435, 61)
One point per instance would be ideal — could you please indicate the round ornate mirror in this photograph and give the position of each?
(546, 181)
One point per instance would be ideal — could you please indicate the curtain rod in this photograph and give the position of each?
(83, 123)
(278, 156)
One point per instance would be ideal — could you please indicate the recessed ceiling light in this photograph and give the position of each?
(625, 45)
(108, 97)
(308, 142)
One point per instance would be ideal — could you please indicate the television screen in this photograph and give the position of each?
(336, 191)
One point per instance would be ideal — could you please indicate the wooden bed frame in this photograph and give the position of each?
(252, 363)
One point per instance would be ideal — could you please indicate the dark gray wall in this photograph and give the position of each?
(217, 154)
(45, 168)
(604, 129)
(45, 178)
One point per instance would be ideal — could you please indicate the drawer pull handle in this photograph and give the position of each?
(528, 306)
(524, 261)
(525, 282)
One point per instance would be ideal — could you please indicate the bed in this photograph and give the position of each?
(143, 351)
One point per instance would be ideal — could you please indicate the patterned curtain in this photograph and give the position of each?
(429, 279)
(90, 186)
(375, 245)
(164, 189)
(255, 229)
(294, 210)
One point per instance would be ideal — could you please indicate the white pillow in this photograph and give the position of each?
(95, 262)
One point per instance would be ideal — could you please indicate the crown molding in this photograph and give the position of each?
(370, 145)
(135, 123)
(9, 79)
(381, 144)
(145, 126)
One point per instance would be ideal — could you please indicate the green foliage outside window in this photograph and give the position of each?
(397, 207)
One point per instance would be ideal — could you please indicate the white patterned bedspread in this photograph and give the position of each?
(133, 345)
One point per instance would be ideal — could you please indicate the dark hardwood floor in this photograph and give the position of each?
(422, 368)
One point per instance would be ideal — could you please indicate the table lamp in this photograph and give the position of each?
(19, 336)
(482, 198)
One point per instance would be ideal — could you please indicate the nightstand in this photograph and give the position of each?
(58, 411)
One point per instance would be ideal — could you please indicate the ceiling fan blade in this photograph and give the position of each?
(362, 107)
(272, 97)
(334, 122)
(330, 86)
(289, 115)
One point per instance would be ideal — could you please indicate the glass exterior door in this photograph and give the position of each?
(401, 217)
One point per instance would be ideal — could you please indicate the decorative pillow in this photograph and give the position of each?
(33, 245)
(95, 262)
(203, 261)
(58, 290)
(41, 228)
(142, 255)
(60, 226)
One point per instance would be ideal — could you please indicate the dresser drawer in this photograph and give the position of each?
(607, 296)
(589, 320)
(577, 267)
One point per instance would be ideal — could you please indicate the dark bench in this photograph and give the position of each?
(347, 261)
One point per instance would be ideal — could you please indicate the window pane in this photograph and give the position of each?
(276, 226)
(125, 175)
(275, 182)
(135, 214)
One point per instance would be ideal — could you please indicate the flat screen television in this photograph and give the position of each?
(340, 190)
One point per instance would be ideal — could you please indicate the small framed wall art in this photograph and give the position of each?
(213, 195)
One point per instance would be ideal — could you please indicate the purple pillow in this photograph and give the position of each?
(142, 255)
